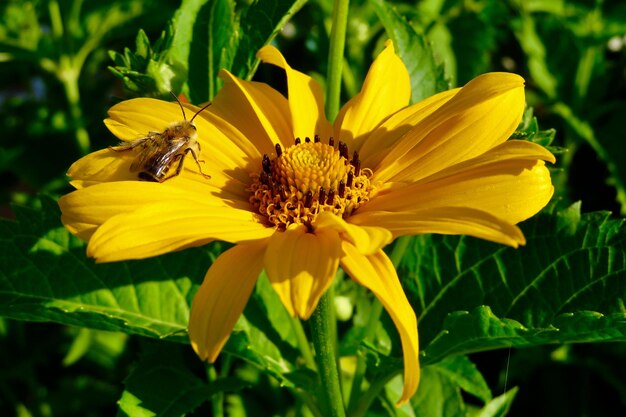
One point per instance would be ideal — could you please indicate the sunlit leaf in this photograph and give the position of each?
(565, 285)
(427, 76)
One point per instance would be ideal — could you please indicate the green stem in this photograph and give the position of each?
(363, 404)
(356, 403)
(217, 399)
(321, 329)
(335, 57)
(68, 76)
(303, 343)
(56, 21)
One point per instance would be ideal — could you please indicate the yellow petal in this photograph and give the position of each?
(446, 221)
(480, 116)
(368, 240)
(83, 211)
(154, 229)
(225, 152)
(306, 98)
(258, 111)
(377, 273)
(386, 89)
(102, 165)
(378, 144)
(222, 297)
(301, 266)
(133, 119)
(110, 166)
(508, 151)
(509, 189)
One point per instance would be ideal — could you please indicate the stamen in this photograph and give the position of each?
(322, 197)
(282, 192)
(308, 199)
(342, 189)
(297, 183)
(331, 197)
(267, 164)
(343, 150)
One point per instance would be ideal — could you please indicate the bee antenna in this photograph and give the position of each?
(180, 104)
(199, 111)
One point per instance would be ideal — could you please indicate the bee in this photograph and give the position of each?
(159, 151)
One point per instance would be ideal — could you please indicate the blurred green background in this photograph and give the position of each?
(56, 85)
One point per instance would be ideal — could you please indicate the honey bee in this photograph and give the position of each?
(159, 151)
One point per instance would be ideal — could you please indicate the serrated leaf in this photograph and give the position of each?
(479, 329)
(45, 276)
(565, 285)
(529, 130)
(427, 77)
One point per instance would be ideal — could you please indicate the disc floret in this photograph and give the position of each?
(309, 177)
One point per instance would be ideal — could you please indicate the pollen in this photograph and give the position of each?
(307, 178)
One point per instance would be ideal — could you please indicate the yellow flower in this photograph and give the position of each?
(300, 197)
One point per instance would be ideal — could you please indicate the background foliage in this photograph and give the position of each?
(98, 340)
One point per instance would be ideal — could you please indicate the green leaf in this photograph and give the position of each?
(264, 336)
(100, 346)
(441, 385)
(427, 77)
(162, 385)
(565, 285)
(260, 23)
(606, 142)
(499, 406)
(475, 34)
(220, 34)
(528, 129)
(45, 276)
(535, 50)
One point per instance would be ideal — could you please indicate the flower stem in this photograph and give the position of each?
(303, 343)
(335, 57)
(217, 400)
(323, 342)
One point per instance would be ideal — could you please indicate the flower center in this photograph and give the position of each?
(306, 179)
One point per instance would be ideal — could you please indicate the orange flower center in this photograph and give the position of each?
(306, 179)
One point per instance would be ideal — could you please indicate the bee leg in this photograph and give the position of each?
(195, 158)
(179, 168)
(120, 148)
(126, 146)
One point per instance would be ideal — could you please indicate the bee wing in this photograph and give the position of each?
(149, 148)
(169, 153)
